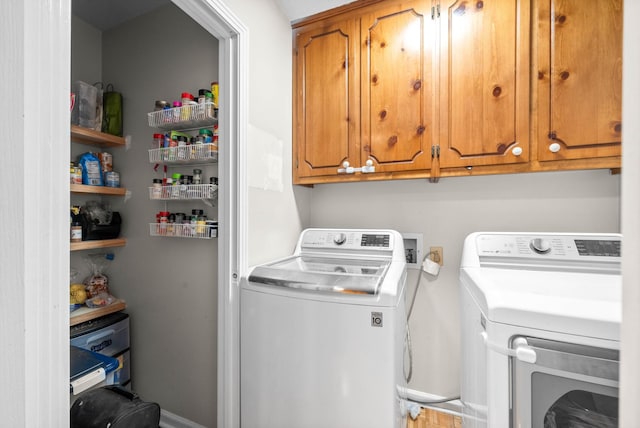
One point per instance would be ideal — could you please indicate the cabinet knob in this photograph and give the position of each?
(517, 151)
(554, 147)
(345, 164)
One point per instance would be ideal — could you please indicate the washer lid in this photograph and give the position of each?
(324, 274)
(585, 304)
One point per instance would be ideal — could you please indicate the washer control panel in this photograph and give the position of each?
(558, 247)
(347, 239)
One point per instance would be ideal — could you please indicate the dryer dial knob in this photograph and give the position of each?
(540, 245)
(340, 238)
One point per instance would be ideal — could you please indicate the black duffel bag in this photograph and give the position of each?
(113, 407)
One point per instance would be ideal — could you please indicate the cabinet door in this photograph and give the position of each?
(484, 82)
(396, 96)
(325, 92)
(579, 79)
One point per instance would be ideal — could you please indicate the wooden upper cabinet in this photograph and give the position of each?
(484, 99)
(327, 107)
(579, 79)
(396, 86)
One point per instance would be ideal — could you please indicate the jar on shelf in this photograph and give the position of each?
(197, 176)
(76, 173)
(176, 111)
(209, 106)
(175, 185)
(182, 147)
(156, 192)
(163, 219)
(158, 141)
(76, 232)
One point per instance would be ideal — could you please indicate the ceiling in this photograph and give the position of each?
(106, 14)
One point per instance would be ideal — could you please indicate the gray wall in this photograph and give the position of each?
(86, 52)
(170, 285)
(584, 201)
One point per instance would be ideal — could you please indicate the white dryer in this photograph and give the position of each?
(322, 334)
(540, 330)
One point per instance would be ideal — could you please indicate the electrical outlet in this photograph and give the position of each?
(436, 255)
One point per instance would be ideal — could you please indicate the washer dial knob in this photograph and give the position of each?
(340, 238)
(540, 245)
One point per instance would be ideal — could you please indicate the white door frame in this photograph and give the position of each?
(215, 17)
(34, 255)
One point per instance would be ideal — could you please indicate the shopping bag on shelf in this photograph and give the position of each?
(112, 111)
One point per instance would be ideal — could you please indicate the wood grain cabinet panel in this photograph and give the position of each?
(326, 83)
(397, 83)
(579, 79)
(442, 88)
(484, 82)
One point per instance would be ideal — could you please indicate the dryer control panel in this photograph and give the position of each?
(597, 251)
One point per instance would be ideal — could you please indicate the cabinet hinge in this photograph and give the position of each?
(435, 152)
(435, 11)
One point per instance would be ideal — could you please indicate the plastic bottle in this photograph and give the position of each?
(215, 91)
(175, 187)
(187, 102)
(163, 220)
(197, 176)
(176, 111)
(158, 141)
(156, 191)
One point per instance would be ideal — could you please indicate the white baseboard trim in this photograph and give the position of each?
(169, 420)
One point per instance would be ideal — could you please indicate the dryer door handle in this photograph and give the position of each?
(520, 350)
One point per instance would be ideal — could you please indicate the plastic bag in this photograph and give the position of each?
(98, 212)
(91, 169)
(102, 299)
(98, 282)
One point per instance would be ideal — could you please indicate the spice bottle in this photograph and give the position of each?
(76, 232)
(156, 191)
(197, 176)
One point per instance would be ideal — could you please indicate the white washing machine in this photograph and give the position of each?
(322, 334)
(540, 330)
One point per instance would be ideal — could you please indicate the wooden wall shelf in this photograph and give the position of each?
(89, 136)
(86, 314)
(104, 243)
